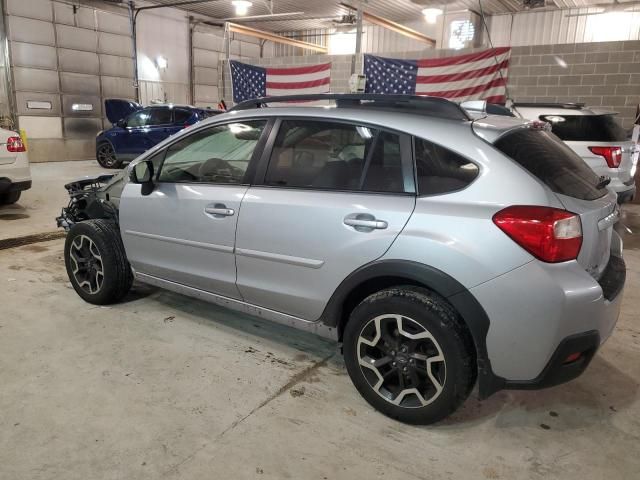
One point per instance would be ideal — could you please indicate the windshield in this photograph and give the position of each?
(546, 157)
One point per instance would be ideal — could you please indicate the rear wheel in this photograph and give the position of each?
(106, 156)
(10, 198)
(96, 262)
(409, 355)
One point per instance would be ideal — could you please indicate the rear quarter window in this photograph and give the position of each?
(547, 158)
(586, 128)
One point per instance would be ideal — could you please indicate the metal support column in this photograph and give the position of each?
(358, 38)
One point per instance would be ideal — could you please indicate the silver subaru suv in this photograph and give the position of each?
(439, 250)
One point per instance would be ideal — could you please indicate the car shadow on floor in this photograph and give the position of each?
(242, 324)
(595, 397)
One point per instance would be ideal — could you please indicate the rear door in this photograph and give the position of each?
(184, 231)
(159, 126)
(334, 197)
(578, 188)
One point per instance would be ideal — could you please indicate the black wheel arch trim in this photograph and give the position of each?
(441, 283)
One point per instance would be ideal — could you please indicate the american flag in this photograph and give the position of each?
(250, 81)
(474, 76)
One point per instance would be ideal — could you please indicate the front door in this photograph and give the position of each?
(335, 196)
(184, 231)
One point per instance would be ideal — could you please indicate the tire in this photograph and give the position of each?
(95, 246)
(10, 198)
(443, 384)
(106, 156)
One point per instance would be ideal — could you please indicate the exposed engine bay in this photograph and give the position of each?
(91, 198)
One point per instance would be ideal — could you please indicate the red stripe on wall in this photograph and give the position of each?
(457, 60)
(298, 85)
(298, 70)
(452, 77)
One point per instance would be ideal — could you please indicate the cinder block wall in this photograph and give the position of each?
(603, 74)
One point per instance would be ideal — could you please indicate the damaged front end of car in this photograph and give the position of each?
(91, 198)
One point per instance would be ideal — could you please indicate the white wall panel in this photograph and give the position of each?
(82, 16)
(38, 9)
(30, 55)
(41, 127)
(77, 61)
(31, 79)
(76, 38)
(113, 44)
(31, 31)
(563, 26)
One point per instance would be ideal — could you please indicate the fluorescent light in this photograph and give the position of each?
(241, 6)
(431, 14)
(162, 62)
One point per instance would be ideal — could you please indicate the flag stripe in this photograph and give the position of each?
(459, 85)
(299, 70)
(297, 85)
(461, 59)
(463, 67)
(306, 77)
(285, 91)
(452, 77)
(465, 92)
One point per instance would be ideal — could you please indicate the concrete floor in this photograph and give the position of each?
(37, 208)
(162, 386)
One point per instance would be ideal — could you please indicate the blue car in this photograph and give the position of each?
(136, 129)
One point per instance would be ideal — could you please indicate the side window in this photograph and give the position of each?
(139, 119)
(336, 156)
(160, 116)
(440, 170)
(219, 154)
(181, 116)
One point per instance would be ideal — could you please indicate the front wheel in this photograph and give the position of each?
(106, 156)
(96, 262)
(409, 355)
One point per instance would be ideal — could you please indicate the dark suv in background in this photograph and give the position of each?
(136, 129)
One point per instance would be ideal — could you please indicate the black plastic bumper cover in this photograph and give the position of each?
(7, 185)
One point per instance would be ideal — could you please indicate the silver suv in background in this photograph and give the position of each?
(595, 135)
(441, 251)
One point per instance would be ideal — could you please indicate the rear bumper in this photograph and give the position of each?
(541, 313)
(6, 185)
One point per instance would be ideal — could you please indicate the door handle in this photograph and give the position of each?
(219, 210)
(365, 222)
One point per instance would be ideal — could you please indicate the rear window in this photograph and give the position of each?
(552, 162)
(586, 128)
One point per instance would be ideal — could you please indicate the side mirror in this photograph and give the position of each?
(122, 123)
(142, 173)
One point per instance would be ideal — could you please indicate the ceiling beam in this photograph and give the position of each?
(254, 32)
(393, 26)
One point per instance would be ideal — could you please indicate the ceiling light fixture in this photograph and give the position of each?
(241, 6)
(431, 14)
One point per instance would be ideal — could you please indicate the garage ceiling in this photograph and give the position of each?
(320, 13)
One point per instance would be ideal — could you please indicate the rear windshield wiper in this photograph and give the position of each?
(603, 182)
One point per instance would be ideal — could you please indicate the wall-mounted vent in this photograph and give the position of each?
(38, 105)
(82, 107)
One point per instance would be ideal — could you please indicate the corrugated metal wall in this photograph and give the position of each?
(65, 60)
(563, 26)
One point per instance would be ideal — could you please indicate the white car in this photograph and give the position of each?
(15, 174)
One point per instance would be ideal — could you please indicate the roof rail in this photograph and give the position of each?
(568, 105)
(432, 106)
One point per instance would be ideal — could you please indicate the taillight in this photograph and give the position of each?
(613, 155)
(549, 234)
(15, 144)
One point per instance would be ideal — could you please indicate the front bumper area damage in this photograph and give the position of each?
(87, 201)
